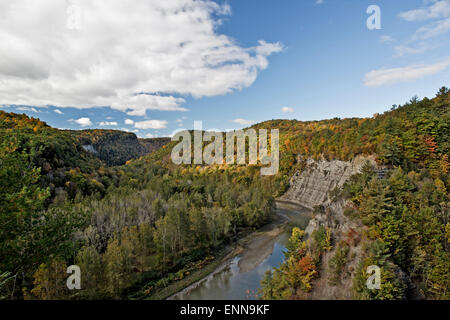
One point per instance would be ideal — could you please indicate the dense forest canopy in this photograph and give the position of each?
(138, 227)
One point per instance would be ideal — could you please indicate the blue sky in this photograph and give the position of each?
(318, 60)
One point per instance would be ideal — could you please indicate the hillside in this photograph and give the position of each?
(71, 162)
(411, 135)
(116, 147)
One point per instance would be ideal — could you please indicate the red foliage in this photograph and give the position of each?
(431, 144)
(306, 264)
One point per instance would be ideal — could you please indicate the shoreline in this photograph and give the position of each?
(248, 248)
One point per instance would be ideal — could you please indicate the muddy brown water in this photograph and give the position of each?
(240, 278)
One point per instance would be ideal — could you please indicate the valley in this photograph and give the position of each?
(141, 227)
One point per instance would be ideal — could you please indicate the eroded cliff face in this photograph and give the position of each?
(310, 187)
(345, 230)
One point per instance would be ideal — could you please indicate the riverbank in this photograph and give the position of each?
(215, 266)
(252, 249)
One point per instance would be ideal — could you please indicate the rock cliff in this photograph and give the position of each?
(310, 187)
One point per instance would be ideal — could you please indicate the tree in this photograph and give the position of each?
(50, 282)
(376, 202)
(92, 272)
(21, 200)
(116, 272)
(294, 246)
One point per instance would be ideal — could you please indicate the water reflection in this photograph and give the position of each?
(231, 284)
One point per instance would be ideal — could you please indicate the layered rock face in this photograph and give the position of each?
(310, 187)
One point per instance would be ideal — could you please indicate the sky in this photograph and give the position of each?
(154, 67)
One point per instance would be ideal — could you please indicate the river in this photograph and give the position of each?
(239, 278)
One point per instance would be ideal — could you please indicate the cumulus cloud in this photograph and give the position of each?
(107, 123)
(242, 121)
(287, 110)
(382, 77)
(129, 121)
(151, 124)
(438, 9)
(82, 122)
(58, 111)
(134, 57)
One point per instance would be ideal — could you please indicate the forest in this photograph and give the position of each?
(406, 214)
(136, 225)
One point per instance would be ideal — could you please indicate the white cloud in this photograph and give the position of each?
(129, 121)
(432, 30)
(434, 9)
(401, 50)
(242, 121)
(439, 9)
(382, 77)
(83, 122)
(287, 110)
(319, 1)
(149, 135)
(58, 111)
(151, 124)
(165, 49)
(29, 109)
(108, 123)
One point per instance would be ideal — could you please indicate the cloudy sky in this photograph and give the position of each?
(152, 67)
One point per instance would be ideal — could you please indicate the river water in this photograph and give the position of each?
(236, 282)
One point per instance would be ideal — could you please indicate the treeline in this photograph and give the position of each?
(411, 136)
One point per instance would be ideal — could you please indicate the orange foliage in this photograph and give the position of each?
(306, 264)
